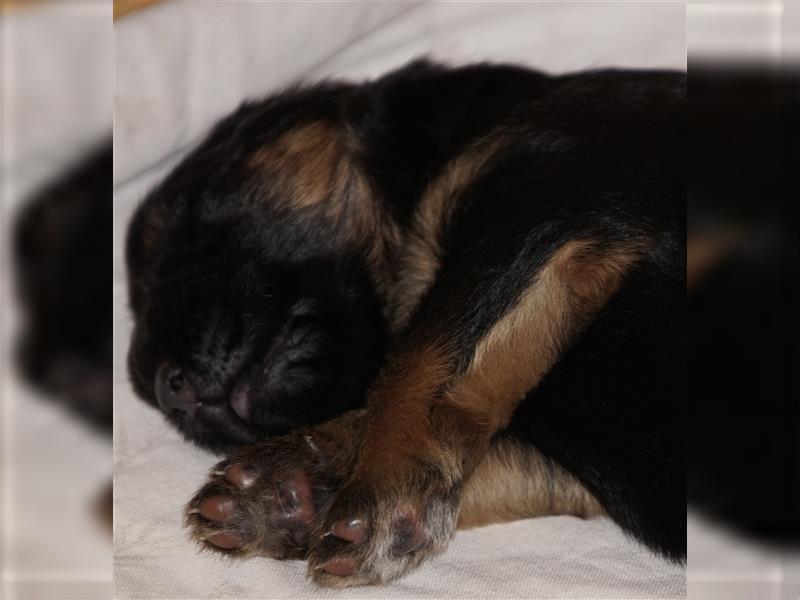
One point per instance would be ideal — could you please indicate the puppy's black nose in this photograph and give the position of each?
(174, 391)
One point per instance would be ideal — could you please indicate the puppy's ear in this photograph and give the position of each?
(145, 241)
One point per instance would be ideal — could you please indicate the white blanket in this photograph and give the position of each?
(179, 68)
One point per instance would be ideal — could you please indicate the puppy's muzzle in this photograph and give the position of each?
(174, 392)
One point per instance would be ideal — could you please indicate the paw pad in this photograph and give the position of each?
(226, 541)
(295, 498)
(242, 476)
(408, 535)
(342, 566)
(265, 501)
(217, 508)
(351, 530)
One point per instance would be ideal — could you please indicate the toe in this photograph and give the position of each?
(341, 566)
(226, 541)
(295, 498)
(242, 476)
(408, 536)
(217, 508)
(350, 530)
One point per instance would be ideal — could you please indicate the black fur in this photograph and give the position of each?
(61, 241)
(215, 274)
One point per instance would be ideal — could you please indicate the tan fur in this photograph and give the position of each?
(422, 410)
(398, 410)
(523, 345)
(312, 164)
(514, 481)
(315, 168)
(422, 255)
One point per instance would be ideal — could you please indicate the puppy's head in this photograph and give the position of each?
(250, 317)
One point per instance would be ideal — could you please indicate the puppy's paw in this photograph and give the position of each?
(263, 500)
(372, 533)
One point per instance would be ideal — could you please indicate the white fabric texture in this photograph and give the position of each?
(178, 69)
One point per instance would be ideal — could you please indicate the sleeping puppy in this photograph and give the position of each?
(59, 243)
(486, 264)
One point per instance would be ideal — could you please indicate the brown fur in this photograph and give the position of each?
(513, 481)
(423, 246)
(311, 164)
(523, 345)
(428, 440)
(398, 408)
(314, 168)
(423, 411)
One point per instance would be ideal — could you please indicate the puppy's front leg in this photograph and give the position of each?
(475, 347)
(269, 499)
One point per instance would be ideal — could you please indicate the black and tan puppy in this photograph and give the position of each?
(490, 259)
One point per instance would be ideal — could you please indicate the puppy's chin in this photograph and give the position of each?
(216, 427)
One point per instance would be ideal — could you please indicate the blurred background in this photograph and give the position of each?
(743, 279)
(56, 469)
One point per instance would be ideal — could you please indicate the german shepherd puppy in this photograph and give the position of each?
(458, 294)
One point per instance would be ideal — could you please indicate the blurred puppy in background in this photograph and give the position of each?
(61, 241)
